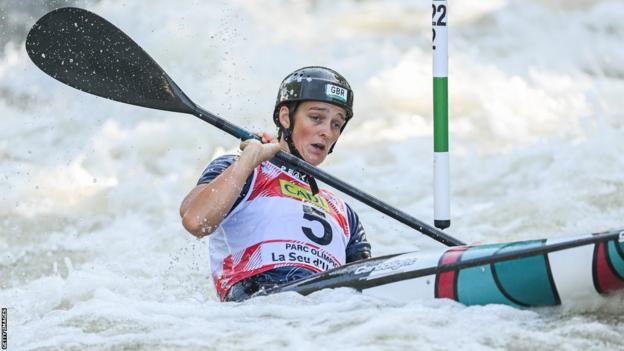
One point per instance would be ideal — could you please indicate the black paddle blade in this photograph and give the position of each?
(85, 51)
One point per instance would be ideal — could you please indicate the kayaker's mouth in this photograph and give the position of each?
(319, 146)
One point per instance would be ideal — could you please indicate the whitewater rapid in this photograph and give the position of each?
(92, 251)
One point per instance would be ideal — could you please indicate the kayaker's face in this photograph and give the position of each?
(317, 128)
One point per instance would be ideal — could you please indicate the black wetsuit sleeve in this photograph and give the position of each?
(358, 247)
(218, 166)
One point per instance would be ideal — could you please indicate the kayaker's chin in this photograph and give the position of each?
(314, 155)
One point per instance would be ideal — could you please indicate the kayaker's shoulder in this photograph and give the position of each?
(216, 167)
(226, 158)
(223, 161)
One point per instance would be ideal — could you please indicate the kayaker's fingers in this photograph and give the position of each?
(260, 152)
(268, 138)
(246, 143)
(243, 145)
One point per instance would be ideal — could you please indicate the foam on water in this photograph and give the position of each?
(93, 252)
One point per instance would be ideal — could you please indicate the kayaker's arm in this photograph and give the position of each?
(206, 205)
(358, 247)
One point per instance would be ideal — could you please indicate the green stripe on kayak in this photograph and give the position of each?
(521, 282)
(526, 280)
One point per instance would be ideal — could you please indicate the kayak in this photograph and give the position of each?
(531, 273)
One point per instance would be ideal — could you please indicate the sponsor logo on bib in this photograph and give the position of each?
(297, 192)
(335, 92)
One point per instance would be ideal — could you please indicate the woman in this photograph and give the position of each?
(269, 224)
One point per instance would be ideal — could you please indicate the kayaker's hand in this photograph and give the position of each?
(256, 152)
(267, 137)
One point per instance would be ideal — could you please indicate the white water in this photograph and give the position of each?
(93, 255)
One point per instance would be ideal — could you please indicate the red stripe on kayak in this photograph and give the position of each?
(606, 279)
(446, 282)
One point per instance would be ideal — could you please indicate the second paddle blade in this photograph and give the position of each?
(85, 51)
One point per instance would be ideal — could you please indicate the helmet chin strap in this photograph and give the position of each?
(287, 134)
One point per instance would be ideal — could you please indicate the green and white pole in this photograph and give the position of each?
(441, 196)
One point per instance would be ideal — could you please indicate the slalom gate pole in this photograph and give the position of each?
(441, 197)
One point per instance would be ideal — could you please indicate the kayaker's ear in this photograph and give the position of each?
(283, 117)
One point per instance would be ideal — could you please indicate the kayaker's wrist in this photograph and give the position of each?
(249, 158)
